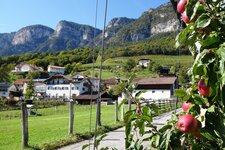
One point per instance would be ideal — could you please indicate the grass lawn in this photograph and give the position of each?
(51, 126)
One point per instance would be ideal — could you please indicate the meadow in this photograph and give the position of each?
(112, 67)
(51, 126)
(50, 130)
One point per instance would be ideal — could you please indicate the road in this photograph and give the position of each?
(115, 139)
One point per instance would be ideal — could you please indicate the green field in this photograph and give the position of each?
(51, 126)
(114, 63)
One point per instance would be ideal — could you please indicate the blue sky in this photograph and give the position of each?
(15, 14)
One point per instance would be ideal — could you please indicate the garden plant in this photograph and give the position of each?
(201, 124)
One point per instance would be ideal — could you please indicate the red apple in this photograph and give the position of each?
(181, 6)
(187, 124)
(211, 52)
(185, 17)
(203, 88)
(202, 1)
(186, 105)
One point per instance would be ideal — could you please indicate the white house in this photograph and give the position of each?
(4, 89)
(22, 68)
(40, 89)
(56, 69)
(144, 62)
(60, 86)
(155, 88)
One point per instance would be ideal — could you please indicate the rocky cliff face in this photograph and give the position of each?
(113, 27)
(32, 34)
(154, 21)
(6, 39)
(70, 35)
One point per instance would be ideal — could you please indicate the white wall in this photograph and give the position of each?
(156, 94)
(63, 90)
(144, 62)
(56, 70)
(40, 88)
(26, 68)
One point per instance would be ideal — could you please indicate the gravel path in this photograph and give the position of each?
(115, 139)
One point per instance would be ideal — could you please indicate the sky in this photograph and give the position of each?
(16, 14)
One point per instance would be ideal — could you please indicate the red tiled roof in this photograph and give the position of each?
(21, 81)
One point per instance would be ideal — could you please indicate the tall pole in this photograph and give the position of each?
(24, 125)
(71, 117)
(98, 113)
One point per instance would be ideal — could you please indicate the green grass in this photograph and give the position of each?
(160, 59)
(164, 60)
(51, 126)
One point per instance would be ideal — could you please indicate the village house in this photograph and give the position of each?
(160, 88)
(52, 70)
(60, 86)
(4, 90)
(24, 68)
(144, 62)
(18, 88)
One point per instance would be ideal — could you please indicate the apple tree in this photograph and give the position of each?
(201, 125)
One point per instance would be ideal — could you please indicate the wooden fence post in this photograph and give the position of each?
(116, 112)
(24, 125)
(71, 117)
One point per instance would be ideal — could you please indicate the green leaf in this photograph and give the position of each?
(129, 115)
(180, 93)
(203, 21)
(212, 39)
(199, 100)
(157, 140)
(146, 110)
(146, 118)
(86, 145)
(209, 133)
(211, 109)
(198, 9)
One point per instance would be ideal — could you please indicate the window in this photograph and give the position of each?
(62, 88)
(162, 91)
(73, 88)
(153, 91)
(83, 89)
(66, 88)
(77, 88)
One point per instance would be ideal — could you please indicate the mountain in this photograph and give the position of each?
(154, 21)
(26, 39)
(113, 27)
(70, 35)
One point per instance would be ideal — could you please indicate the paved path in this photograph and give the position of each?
(115, 139)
